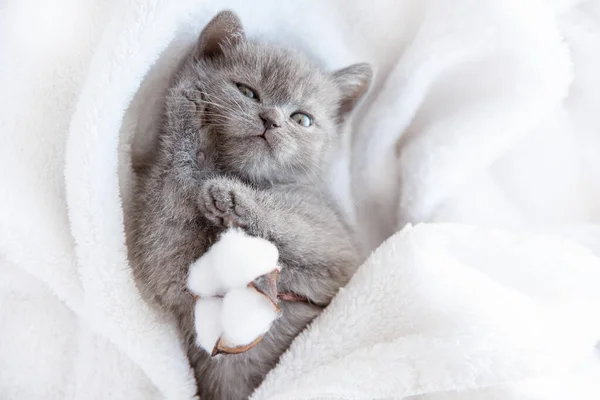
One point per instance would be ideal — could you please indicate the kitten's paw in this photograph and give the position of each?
(226, 203)
(194, 95)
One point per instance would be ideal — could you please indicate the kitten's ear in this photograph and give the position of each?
(353, 82)
(225, 29)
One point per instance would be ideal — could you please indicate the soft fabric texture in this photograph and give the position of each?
(454, 312)
(482, 113)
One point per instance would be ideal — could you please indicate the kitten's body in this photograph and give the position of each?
(222, 156)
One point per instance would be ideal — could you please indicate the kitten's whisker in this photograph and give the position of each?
(215, 116)
(239, 106)
(226, 107)
(217, 105)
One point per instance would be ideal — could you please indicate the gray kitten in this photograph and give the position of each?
(247, 135)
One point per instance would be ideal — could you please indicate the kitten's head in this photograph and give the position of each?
(270, 113)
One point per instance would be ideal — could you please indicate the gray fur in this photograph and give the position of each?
(216, 161)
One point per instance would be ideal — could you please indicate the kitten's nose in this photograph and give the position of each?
(270, 119)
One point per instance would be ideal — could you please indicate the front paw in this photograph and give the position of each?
(226, 203)
(195, 97)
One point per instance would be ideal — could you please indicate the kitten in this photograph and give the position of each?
(247, 135)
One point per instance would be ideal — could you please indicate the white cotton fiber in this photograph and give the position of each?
(234, 261)
(238, 258)
(207, 321)
(202, 278)
(246, 314)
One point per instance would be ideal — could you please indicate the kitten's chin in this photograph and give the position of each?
(261, 139)
(259, 145)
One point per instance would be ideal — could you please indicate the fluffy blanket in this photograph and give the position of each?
(483, 115)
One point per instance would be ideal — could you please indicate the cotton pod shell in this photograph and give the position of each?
(267, 285)
(207, 321)
(223, 347)
(238, 258)
(245, 316)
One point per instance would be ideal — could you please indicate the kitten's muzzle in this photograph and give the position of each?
(271, 119)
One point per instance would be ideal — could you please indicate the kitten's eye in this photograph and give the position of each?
(246, 91)
(302, 119)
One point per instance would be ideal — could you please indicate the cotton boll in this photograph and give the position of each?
(202, 278)
(207, 321)
(246, 314)
(238, 258)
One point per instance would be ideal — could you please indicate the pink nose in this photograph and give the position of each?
(270, 119)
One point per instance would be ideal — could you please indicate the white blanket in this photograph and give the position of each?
(482, 113)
